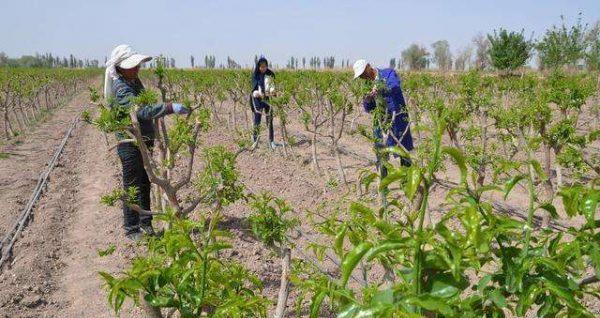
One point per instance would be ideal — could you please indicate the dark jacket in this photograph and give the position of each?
(395, 103)
(258, 78)
(124, 91)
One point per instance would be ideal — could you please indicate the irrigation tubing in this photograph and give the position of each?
(13, 233)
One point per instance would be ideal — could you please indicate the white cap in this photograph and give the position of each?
(134, 61)
(125, 57)
(359, 67)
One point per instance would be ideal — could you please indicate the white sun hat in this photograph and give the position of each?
(124, 57)
(359, 67)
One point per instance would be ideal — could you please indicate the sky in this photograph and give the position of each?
(375, 30)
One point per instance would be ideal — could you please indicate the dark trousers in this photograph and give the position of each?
(379, 144)
(134, 175)
(257, 107)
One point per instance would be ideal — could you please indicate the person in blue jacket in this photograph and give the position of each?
(121, 83)
(395, 109)
(259, 101)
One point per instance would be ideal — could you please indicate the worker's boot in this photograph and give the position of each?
(135, 236)
(148, 229)
(255, 143)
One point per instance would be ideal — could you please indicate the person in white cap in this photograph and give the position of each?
(386, 85)
(121, 83)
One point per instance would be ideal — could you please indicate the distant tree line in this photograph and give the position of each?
(167, 62)
(575, 46)
(315, 62)
(46, 60)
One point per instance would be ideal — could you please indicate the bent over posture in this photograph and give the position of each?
(387, 86)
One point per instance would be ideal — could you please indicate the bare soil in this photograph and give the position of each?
(54, 272)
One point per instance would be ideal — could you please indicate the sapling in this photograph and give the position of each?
(270, 225)
(338, 106)
(309, 99)
(282, 106)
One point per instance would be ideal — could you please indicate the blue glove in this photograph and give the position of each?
(180, 109)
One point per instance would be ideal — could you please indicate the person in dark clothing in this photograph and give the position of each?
(121, 84)
(395, 111)
(261, 90)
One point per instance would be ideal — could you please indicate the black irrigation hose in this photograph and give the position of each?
(13, 233)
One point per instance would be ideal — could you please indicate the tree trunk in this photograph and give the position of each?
(341, 172)
(284, 286)
(482, 165)
(234, 117)
(19, 120)
(284, 137)
(315, 161)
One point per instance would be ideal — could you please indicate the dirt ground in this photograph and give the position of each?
(54, 272)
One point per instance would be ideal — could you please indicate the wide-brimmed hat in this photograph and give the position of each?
(125, 57)
(359, 67)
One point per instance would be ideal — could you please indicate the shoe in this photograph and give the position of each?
(255, 144)
(135, 236)
(273, 145)
(148, 229)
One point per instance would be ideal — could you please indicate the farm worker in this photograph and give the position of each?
(387, 86)
(262, 78)
(120, 84)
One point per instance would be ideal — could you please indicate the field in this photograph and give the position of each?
(496, 216)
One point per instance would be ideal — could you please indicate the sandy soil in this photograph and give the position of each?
(54, 270)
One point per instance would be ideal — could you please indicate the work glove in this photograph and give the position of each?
(257, 94)
(374, 91)
(180, 109)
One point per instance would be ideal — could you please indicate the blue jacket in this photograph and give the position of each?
(124, 91)
(395, 103)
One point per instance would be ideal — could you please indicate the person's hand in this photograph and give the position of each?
(180, 109)
(257, 94)
(373, 92)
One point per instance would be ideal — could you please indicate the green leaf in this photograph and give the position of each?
(498, 298)
(488, 187)
(510, 184)
(459, 159)
(433, 304)
(595, 256)
(550, 208)
(384, 247)
(538, 170)
(385, 297)
(316, 303)
(108, 251)
(362, 210)
(590, 203)
(397, 151)
(483, 282)
(413, 182)
(338, 246)
(159, 300)
(351, 260)
(392, 176)
(445, 286)
(349, 311)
